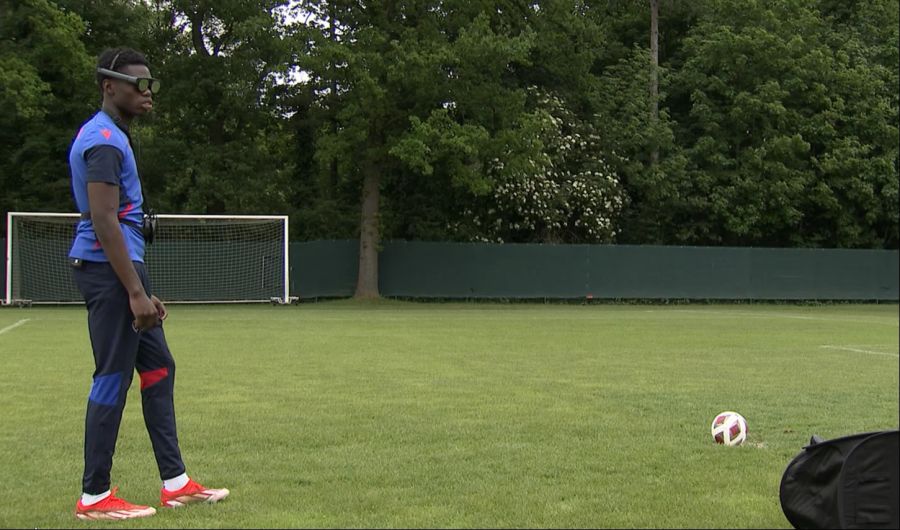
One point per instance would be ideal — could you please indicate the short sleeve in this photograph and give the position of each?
(104, 164)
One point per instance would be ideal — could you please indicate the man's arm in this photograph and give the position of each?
(103, 201)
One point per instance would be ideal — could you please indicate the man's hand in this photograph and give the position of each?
(160, 307)
(145, 313)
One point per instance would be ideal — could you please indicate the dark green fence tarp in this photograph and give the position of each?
(478, 270)
(324, 268)
(321, 269)
(463, 270)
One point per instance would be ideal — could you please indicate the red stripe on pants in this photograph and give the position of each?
(153, 376)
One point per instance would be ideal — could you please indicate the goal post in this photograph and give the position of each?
(193, 259)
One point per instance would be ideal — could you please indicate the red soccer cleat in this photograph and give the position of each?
(191, 493)
(112, 508)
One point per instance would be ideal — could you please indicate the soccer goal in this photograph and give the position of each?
(193, 259)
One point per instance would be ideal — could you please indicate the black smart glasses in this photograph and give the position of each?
(142, 83)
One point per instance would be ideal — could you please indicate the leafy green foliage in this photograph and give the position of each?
(777, 121)
(46, 90)
(218, 144)
(780, 155)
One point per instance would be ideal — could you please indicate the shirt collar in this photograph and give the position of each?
(116, 121)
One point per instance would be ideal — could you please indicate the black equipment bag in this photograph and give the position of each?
(849, 482)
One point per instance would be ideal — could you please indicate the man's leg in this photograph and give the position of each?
(156, 368)
(115, 346)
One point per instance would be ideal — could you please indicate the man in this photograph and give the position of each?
(124, 317)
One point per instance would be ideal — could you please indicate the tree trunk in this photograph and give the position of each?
(367, 281)
(333, 99)
(654, 75)
(196, 19)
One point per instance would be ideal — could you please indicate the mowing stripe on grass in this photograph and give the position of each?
(857, 350)
(14, 326)
(774, 315)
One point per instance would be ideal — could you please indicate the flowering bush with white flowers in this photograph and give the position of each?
(565, 192)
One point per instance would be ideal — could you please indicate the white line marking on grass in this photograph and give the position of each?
(857, 350)
(14, 326)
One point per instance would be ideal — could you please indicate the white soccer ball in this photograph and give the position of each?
(729, 428)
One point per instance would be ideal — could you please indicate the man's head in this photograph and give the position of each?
(125, 82)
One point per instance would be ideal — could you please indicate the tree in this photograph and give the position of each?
(565, 193)
(540, 177)
(654, 73)
(635, 121)
(756, 123)
(793, 130)
(217, 143)
(425, 97)
(114, 23)
(47, 92)
(864, 164)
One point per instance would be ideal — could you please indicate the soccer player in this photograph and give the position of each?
(124, 317)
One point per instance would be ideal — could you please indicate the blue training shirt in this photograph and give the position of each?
(99, 133)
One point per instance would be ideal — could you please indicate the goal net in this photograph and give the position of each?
(193, 258)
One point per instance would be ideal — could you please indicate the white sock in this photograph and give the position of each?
(87, 499)
(175, 484)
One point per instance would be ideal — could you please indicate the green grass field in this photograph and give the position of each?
(397, 414)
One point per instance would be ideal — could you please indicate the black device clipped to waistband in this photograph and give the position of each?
(147, 227)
